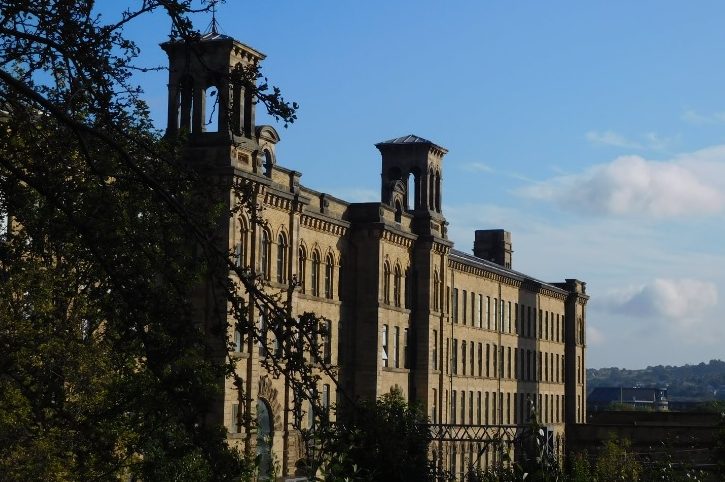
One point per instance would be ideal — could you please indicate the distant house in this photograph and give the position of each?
(647, 398)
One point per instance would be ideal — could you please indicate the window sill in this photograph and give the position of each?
(396, 370)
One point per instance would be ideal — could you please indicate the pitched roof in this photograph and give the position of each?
(409, 139)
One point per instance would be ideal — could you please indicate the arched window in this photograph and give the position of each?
(398, 211)
(408, 288)
(315, 273)
(240, 250)
(329, 267)
(386, 282)
(264, 440)
(267, 163)
(436, 291)
(302, 267)
(438, 191)
(211, 104)
(397, 283)
(431, 191)
(281, 258)
(264, 254)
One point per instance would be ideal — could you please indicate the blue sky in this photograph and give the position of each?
(593, 131)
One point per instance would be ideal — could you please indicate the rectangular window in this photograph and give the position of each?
(509, 318)
(546, 325)
(508, 408)
(495, 314)
(486, 411)
(480, 359)
(495, 360)
(326, 398)
(539, 368)
(448, 299)
(502, 314)
(262, 323)
(473, 309)
(480, 310)
(396, 348)
(517, 321)
(501, 361)
(464, 345)
(453, 406)
(327, 348)
(546, 367)
(494, 412)
(470, 407)
(463, 407)
(454, 358)
(541, 322)
(406, 354)
(454, 306)
(528, 324)
(488, 360)
(234, 423)
(237, 340)
(508, 362)
(434, 407)
(515, 409)
(478, 409)
(465, 307)
(515, 362)
(473, 358)
(448, 355)
(488, 312)
(385, 345)
(558, 332)
(435, 349)
(500, 408)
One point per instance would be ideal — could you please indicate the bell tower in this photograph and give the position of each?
(210, 98)
(411, 176)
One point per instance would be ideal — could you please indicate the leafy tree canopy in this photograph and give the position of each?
(103, 372)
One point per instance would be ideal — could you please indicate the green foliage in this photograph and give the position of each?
(688, 382)
(105, 372)
(385, 440)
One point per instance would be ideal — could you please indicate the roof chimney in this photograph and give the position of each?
(493, 245)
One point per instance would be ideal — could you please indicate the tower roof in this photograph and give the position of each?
(410, 139)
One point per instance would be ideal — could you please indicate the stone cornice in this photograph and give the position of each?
(529, 285)
(324, 224)
(401, 239)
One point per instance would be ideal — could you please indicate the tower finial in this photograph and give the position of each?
(214, 25)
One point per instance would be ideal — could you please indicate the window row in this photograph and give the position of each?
(401, 284)
(318, 346)
(492, 361)
(492, 408)
(397, 355)
(321, 273)
(477, 310)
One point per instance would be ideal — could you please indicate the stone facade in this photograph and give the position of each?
(469, 338)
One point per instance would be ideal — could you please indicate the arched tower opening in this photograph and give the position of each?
(411, 172)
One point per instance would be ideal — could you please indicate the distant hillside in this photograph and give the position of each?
(705, 381)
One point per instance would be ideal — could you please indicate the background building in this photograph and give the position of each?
(469, 338)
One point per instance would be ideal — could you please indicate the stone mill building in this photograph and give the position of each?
(472, 340)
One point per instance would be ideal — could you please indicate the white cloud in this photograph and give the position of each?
(682, 301)
(611, 138)
(632, 185)
(594, 335)
(693, 117)
(477, 167)
(649, 141)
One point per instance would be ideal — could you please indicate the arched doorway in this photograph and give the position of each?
(264, 440)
